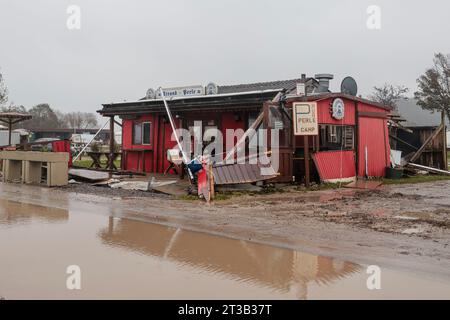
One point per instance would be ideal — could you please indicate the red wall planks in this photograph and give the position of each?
(373, 134)
(324, 113)
(364, 107)
(127, 133)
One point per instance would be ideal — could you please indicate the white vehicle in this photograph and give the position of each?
(4, 138)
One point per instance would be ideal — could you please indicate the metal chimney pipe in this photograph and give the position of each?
(324, 81)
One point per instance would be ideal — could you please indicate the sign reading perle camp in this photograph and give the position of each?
(305, 118)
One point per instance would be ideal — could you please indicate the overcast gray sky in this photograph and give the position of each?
(127, 46)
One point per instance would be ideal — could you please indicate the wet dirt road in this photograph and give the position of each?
(122, 255)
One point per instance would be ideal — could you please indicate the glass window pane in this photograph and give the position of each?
(146, 133)
(137, 133)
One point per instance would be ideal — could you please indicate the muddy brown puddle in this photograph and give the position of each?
(123, 258)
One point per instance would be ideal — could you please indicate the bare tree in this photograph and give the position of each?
(82, 120)
(90, 120)
(434, 86)
(42, 117)
(13, 108)
(389, 94)
(46, 117)
(3, 91)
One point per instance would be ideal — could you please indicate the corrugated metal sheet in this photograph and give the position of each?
(373, 135)
(334, 165)
(241, 173)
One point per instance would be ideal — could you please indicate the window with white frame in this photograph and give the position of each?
(142, 133)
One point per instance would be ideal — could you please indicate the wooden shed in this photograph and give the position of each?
(355, 145)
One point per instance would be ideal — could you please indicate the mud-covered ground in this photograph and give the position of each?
(86, 188)
(404, 226)
(419, 209)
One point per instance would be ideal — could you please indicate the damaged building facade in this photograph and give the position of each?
(419, 134)
(349, 143)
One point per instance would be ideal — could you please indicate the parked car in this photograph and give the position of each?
(43, 144)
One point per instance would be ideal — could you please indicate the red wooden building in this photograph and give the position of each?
(354, 144)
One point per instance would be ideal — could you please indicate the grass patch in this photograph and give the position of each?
(218, 197)
(86, 163)
(226, 195)
(322, 186)
(188, 197)
(270, 189)
(83, 163)
(326, 186)
(416, 179)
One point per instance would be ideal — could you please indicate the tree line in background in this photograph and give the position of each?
(433, 94)
(433, 88)
(43, 116)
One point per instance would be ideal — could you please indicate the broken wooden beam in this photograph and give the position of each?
(429, 169)
(403, 141)
(422, 148)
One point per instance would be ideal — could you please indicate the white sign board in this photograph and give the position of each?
(301, 89)
(278, 125)
(305, 118)
(181, 92)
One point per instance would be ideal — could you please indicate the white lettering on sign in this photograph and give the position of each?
(305, 118)
(181, 92)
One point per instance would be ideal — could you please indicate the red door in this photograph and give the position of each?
(373, 147)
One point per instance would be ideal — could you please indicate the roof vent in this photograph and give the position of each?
(324, 81)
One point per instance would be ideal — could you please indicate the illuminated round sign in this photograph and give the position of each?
(338, 109)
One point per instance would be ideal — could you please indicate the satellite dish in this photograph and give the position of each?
(349, 86)
(151, 94)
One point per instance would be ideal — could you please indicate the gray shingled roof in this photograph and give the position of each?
(288, 85)
(416, 116)
(281, 84)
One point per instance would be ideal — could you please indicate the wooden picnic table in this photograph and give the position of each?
(96, 159)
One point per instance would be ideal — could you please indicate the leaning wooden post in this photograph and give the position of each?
(427, 141)
(111, 144)
(306, 156)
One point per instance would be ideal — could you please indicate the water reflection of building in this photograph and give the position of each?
(282, 269)
(12, 212)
